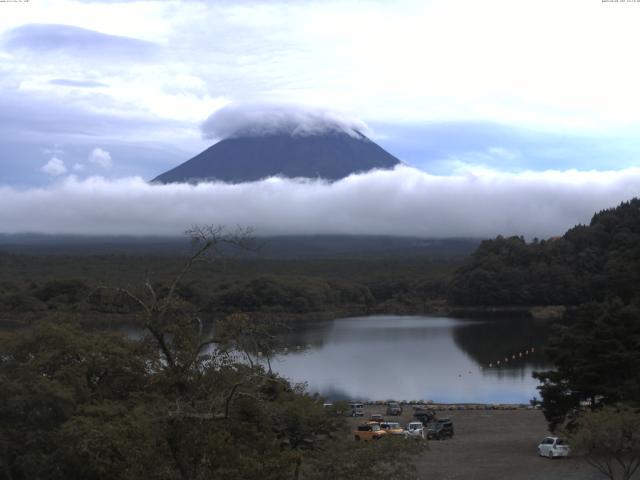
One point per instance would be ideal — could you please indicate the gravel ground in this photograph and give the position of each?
(492, 445)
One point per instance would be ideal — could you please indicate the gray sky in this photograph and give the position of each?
(506, 103)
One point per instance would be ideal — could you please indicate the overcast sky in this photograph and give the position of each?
(513, 102)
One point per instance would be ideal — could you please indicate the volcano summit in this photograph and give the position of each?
(267, 142)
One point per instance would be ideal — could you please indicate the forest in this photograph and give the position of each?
(37, 284)
(588, 263)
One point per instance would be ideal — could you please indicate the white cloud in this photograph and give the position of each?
(78, 167)
(501, 152)
(475, 160)
(403, 201)
(54, 167)
(406, 61)
(100, 157)
(268, 118)
(55, 151)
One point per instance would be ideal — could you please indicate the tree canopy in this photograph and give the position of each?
(597, 361)
(587, 263)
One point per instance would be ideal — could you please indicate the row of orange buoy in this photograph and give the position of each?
(497, 363)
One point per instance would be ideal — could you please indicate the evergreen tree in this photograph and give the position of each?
(597, 360)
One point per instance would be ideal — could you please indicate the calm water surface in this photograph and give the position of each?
(417, 357)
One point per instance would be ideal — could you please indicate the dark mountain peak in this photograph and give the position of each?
(330, 154)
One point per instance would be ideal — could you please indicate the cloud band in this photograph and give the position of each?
(403, 201)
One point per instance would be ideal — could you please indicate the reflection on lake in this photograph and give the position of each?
(413, 358)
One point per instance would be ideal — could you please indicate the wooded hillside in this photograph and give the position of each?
(588, 263)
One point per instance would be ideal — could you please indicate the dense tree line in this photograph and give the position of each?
(248, 285)
(262, 293)
(588, 263)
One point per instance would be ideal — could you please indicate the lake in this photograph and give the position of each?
(442, 359)
(417, 358)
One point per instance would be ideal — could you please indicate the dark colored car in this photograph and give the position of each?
(424, 416)
(440, 429)
(394, 408)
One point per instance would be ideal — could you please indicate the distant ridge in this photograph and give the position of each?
(272, 247)
(331, 155)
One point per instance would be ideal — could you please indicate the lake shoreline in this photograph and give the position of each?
(102, 320)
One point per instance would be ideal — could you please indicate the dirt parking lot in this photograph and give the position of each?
(492, 445)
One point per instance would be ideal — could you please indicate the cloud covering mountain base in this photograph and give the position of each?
(404, 201)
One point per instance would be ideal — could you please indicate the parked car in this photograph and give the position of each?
(424, 416)
(376, 417)
(553, 447)
(440, 428)
(394, 408)
(356, 410)
(414, 430)
(393, 428)
(368, 431)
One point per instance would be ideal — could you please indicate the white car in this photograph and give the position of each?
(552, 447)
(414, 430)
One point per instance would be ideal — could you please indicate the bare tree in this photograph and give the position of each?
(162, 309)
(256, 340)
(193, 376)
(609, 439)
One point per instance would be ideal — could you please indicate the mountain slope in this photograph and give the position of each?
(330, 156)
